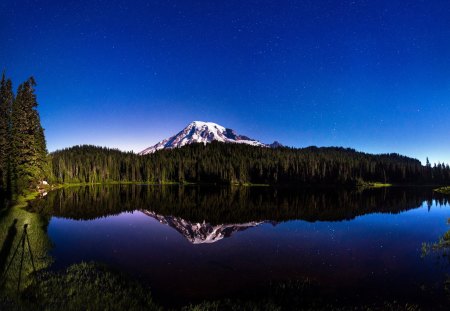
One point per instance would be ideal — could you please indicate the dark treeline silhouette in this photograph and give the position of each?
(238, 163)
(23, 152)
(219, 205)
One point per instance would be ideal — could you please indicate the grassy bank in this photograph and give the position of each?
(247, 184)
(85, 285)
(443, 190)
(441, 250)
(23, 251)
(364, 184)
(441, 246)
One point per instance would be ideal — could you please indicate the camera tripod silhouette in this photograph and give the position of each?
(20, 245)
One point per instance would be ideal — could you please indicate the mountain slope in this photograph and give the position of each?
(204, 132)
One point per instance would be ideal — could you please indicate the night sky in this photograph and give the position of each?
(371, 75)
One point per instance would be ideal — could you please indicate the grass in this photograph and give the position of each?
(380, 185)
(248, 184)
(443, 190)
(442, 246)
(295, 295)
(89, 286)
(442, 249)
(365, 184)
(255, 306)
(14, 277)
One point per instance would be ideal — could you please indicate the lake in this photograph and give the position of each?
(192, 243)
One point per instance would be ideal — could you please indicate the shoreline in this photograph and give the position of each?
(443, 190)
(365, 185)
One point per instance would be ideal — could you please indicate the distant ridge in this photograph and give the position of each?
(205, 132)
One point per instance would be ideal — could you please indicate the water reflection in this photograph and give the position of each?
(362, 245)
(231, 205)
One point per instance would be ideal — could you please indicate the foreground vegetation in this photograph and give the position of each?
(92, 285)
(102, 288)
(443, 190)
(441, 248)
(24, 166)
(19, 260)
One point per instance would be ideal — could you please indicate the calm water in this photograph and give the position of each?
(195, 243)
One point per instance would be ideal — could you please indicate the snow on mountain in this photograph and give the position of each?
(204, 132)
(200, 233)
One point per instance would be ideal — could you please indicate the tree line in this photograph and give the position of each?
(24, 161)
(238, 163)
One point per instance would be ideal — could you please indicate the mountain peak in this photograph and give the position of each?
(203, 132)
(276, 144)
(205, 123)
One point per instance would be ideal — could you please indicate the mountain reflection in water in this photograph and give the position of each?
(199, 233)
(356, 244)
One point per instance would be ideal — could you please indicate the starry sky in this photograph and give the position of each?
(371, 75)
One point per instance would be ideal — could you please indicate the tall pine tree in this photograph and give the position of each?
(29, 154)
(6, 102)
(43, 162)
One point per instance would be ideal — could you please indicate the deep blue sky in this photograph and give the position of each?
(372, 75)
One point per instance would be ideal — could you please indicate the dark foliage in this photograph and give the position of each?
(23, 152)
(87, 286)
(235, 163)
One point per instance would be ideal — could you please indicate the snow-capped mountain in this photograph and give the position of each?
(199, 233)
(204, 132)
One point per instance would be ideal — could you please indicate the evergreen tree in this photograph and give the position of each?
(6, 102)
(28, 142)
(42, 161)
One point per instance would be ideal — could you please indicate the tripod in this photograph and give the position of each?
(21, 244)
